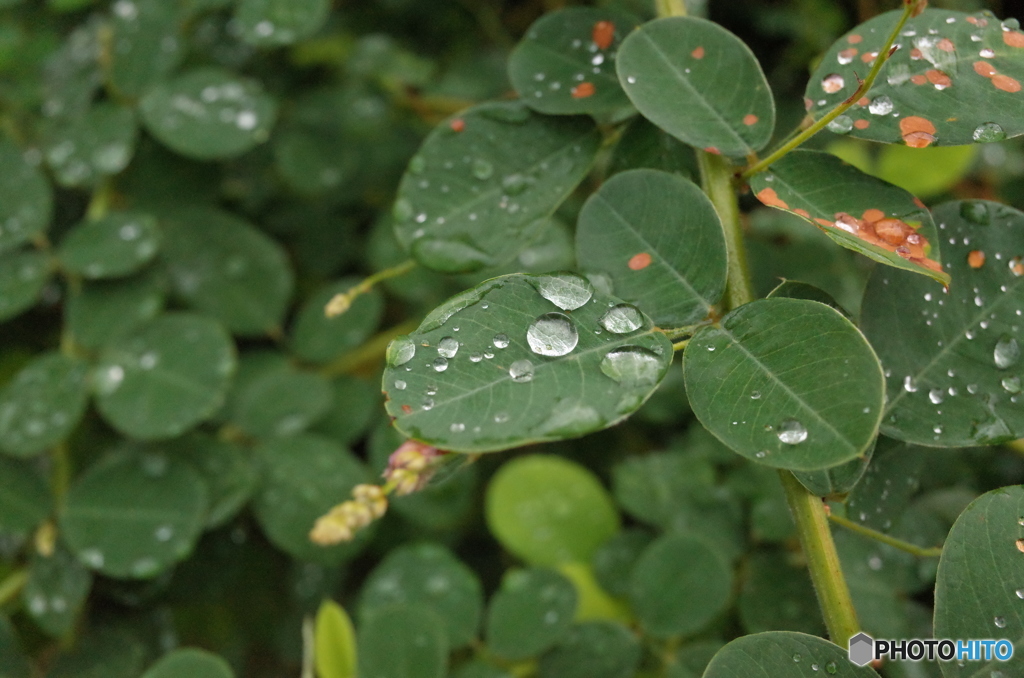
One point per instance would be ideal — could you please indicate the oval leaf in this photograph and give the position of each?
(87, 149)
(534, 358)
(191, 662)
(269, 23)
(784, 654)
(495, 171)
(334, 642)
(26, 200)
(403, 641)
(672, 70)
(23, 275)
(659, 240)
(145, 45)
(110, 247)
(56, 589)
(858, 211)
(320, 339)
(531, 611)
(43, 404)
(787, 383)
(25, 500)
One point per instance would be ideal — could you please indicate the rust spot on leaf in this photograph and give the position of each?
(946, 45)
(872, 215)
(1014, 38)
(804, 213)
(888, 233)
(938, 78)
(603, 34)
(893, 231)
(639, 262)
(406, 409)
(917, 132)
(698, 53)
(808, 104)
(457, 125)
(917, 201)
(863, 101)
(854, 39)
(823, 222)
(861, 124)
(713, 150)
(750, 119)
(769, 197)
(868, 57)
(984, 69)
(915, 54)
(975, 258)
(848, 54)
(1020, 545)
(1006, 83)
(1017, 266)
(583, 90)
(919, 79)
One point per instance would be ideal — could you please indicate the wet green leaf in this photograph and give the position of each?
(956, 79)
(134, 515)
(56, 589)
(165, 377)
(660, 242)
(190, 662)
(145, 44)
(111, 247)
(269, 23)
(335, 645)
(281, 402)
(889, 483)
(784, 654)
(644, 145)
(209, 113)
(25, 500)
(566, 62)
(23, 275)
(548, 510)
(43, 404)
(231, 476)
(88, 148)
(320, 339)
(100, 312)
(26, 200)
(522, 367)
(858, 211)
(952, 360)
(475, 193)
(531, 612)
(672, 71)
(787, 383)
(778, 595)
(792, 289)
(403, 641)
(599, 649)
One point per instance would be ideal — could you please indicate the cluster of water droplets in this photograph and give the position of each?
(596, 63)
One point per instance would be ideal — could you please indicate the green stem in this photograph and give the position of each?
(716, 177)
(862, 89)
(12, 585)
(671, 7)
(822, 560)
(912, 549)
(342, 302)
(680, 345)
(61, 477)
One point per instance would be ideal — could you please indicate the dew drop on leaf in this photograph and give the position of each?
(880, 105)
(448, 347)
(440, 364)
(632, 366)
(1000, 622)
(841, 125)
(935, 396)
(988, 132)
(792, 432)
(482, 169)
(552, 334)
(831, 668)
(1006, 353)
(521, 371)
(1011, 384)
(401, 351)
(565, 290)
(622, 319)
(832, 83)
(500, 341)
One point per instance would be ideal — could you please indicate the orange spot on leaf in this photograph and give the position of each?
(863, 101)
(946, 45)
(406, 409)
(583, 90)
(1014, 38)
(457, 125)
(713, 150)
(1006, 83)
(639, 262)
(823, 222)
(698, 53)
(804, 213)
(849, 53)
(854, 39)
(972, 20)
(976, 259)
(917, 132)
(872, 215)
(919, 79)
(938, 78)
(861, 124)
(984, 69)
(750, 119)
(917, 201)
(868, 57)
(603, 34)
(915, 54)
(769, 197)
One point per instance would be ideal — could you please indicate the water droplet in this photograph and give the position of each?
(988, 132)
(831, 668)
(457, 428)
(448, 347)
(1020, 593)
(1011, 384)
(475, 357)
(935, 395)
(632, 366)
(163, 533)
(975, 212)
(814, 667)
(792, 432)
(565, 290)
(832, 83)
(482, 169)
(1006, 353)
(755, 395)
(500, 341)
(417, 164)
(521, 371)
(552, 334)
(908, 384)
(1000, 622)
(622, 319)
(797, 657)
(428, 403)
(440, 364)
(880, 105)
(500, 418)
(515, 184)
(841, 125)
(401, 351)
(400, 385)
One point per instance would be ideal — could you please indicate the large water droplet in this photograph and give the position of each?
(632, 366)
(841, 125)
(1011, 384)
(622, 319)
(565, 290)
(831, 668)
(988, 132)
(500, 341)
(792, 432)
(1000, 622)
(440, 364)
(401, 351)
(515, 184)
(832, 83)
(521, 371)
(552, 334)
(880, 105)
(1006, 353)
(936, 395)
(448, 347)
(571, 420)
(975, 212)
(908, 384)
(482, 169)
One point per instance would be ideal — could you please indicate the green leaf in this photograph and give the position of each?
(531, 611)
(23, 275)
(43, 404)
(615, 559)
(548, 510)
(679, 585)
(778, 595)
(104, 653)
(133, 516)
(481, 183)
(478, 668)
(980, 573)
(111, 247)
(643, 145)
(889, 483)
(165, 377)
(320, 339)
(209, 113)
(190, 662)
(427, 575)
(13, 662)
(100, 312)
(956, 79)
(228, 470)
(335, 649)
(356, 402)
(566, 62)
(25, 501)
(224, 267)
(281, 402)
(86, 149)
(672, 70)
(519, 370)
(952, 360)
(788, 383)
(26, 201)
(835, 481)
(792, 289)
(269, 23)
(862, 213)
(304, 477)
(599, 649)
(403, 641)
(56, 589)
(784, 654)
(145, 45)
(659, 240)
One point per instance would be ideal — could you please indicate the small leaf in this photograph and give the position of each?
(792, 289)
(165, 377)
(980, 574)
(952, 360)
(531, 611)
(679, 585)
(225, 267)
(133, 516)
(86, 149)
(320, 339)
(334, 642)
(56, 589)
(672, 71)
(956, 79)
(270, 23)
(100, 312)
(427, 575)
(784, 654)
(482, 181)
(403, 641)
(25, 501)
(659, 240)
(43, 404)
(519, 370)
(599, 649)
(281, 402)
(23, 275)
(643, 145)
(111, 247)
(566, 62)
(548, 510)
(858, 211)
(26, 202)
(191, 662)
(145, 45)
(209, 113)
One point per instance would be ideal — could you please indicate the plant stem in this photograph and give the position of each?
(822, 560)
(716, 177)
(862, 89)
(671, 7)
(12, 585)
(912, 549)
(680, 345)
(61, 477)
(342, 302)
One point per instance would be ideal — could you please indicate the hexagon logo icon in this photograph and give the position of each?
(862, 649)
